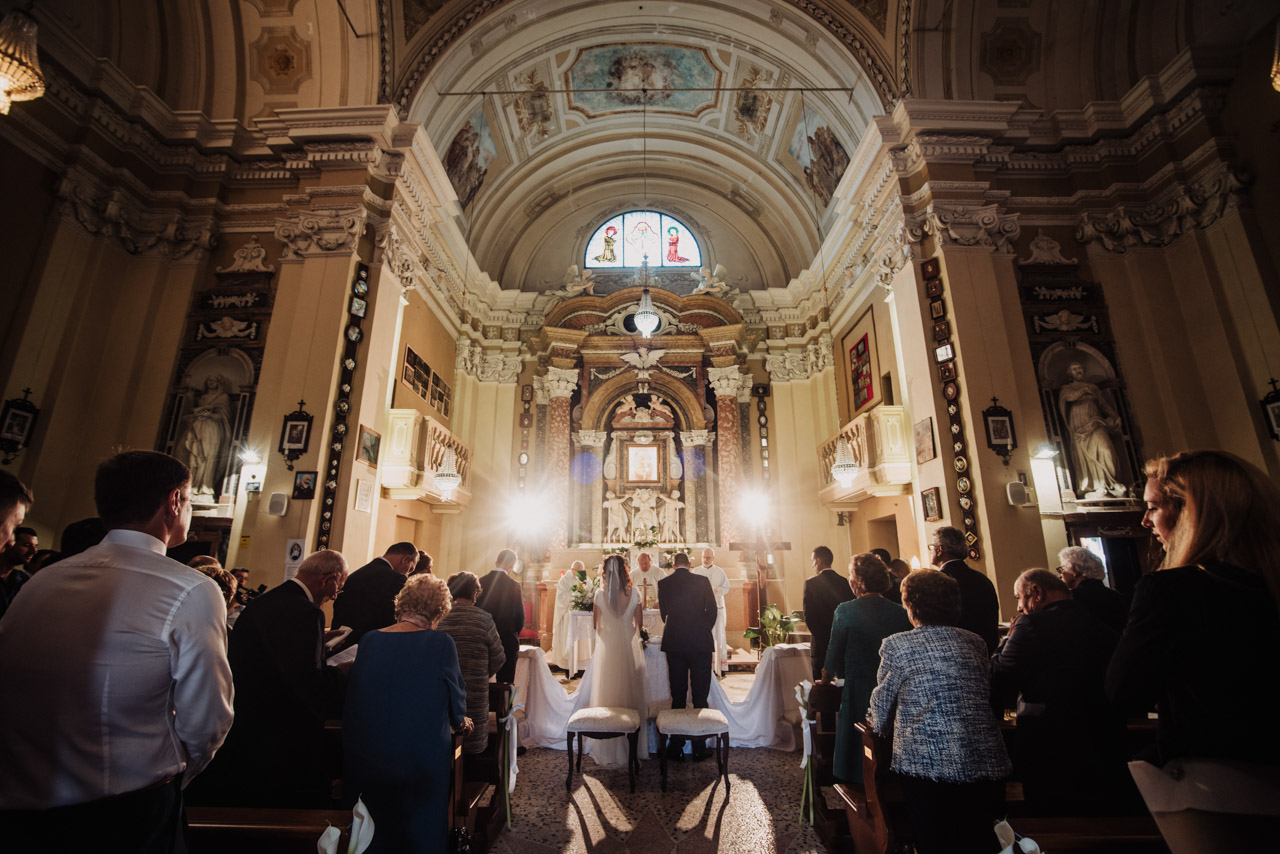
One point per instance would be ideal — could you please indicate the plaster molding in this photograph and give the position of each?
(590, 438)
(954, 224)
(792, 365)
(132, 224)
(725, 381)
(249, 258)
(499, 368)
(696, 438)
(1046, 250)
(561, 382)
(312, 232)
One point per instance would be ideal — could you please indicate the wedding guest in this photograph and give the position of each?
(500, 595)
(979, 605)
(822, 594)
(213, 569)
(14, 561)
(480, 653)
(934, 693)
(1199, 630)
(1086, 576)
(15, 501)
(43, 558)
(899, 569)
(405, 699)
(367, 599)
(859, 628)
(1069, 745)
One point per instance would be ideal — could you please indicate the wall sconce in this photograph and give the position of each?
(20, 75)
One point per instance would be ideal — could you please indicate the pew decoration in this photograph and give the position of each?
(809, 788)
(361, 833)
(507, 722)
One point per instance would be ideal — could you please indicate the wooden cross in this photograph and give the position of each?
(763, 550)
(645, 585)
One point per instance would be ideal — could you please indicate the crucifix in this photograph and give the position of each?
(764, 550)
(644, 586)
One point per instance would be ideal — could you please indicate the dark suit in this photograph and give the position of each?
(1198, 642)
(500, 596)
(274, 753)
(688, 608)
(979, 605)
(367, 600)
(822, 595)
(1069, 749)
(1106, 604)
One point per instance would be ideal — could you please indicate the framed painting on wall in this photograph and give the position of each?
(931, 504)
(864, 365)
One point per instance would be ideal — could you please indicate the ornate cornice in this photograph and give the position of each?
(312, 232)
(853, 42)
(938, 148)
(138, 229)
(965, 225)
(792, 365)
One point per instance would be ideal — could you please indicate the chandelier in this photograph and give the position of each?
(646, 318)
(844, 469)
(20, 76)
(447, 478)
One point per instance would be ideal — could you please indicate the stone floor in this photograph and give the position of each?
(759, 814)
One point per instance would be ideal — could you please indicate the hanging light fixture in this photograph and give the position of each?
(447, 478)
(20, 75)
(844, 469)
(646, 319)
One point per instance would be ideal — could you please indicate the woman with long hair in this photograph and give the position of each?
(1200, 642)
(618, 664)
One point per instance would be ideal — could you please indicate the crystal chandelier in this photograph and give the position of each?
(646, 319)
(447, 478)
(20, 76)
(844, 469)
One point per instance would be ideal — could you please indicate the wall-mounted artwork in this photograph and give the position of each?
(642, 463)
(469, 155)
(860, 344)
(677, 79)
(815, 147)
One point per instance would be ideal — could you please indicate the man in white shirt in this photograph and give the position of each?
(645, 577)
(116, 689)
(720, 586)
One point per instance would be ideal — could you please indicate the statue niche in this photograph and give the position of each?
(642, 472)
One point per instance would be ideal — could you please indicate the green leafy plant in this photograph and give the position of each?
(775, 627)
(584, 595)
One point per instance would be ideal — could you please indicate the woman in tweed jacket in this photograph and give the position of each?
(934, 694)
(480, 654)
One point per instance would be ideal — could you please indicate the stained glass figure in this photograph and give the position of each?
(625, 241)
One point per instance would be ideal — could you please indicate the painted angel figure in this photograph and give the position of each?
(709, 282)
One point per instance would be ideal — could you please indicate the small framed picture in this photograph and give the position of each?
(951, 391)
(925, 448)
(937, 308)
(946, 372)
(944, 353)
(253, 486)
(358, 306)
(931, 504)
(364, 495)
(1273, 417)
(526, 392)
(931, 269)
(304, 485)
(370, 445)
(941, 330)
(296, 433)
(17, 423)
(933, 287)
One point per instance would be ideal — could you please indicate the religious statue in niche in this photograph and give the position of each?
(1091, 419)
(671, 532)
(203, 445)
(673, 246)
(645, 515)
(616, 522)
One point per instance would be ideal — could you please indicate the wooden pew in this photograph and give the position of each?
(256, 830)
(824, 705)
(481, 777)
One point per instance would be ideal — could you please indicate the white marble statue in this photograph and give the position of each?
(709, 282)
(1091, 420)
(645, 515)
(205, 441)
(671, 518)
(615, 518)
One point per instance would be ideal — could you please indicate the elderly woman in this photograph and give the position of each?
(1200, 634)
(859, 627)
(1086, 576)
(479, 653)
(404, 698)
(934, 694)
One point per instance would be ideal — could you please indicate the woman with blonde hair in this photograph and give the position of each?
(405, 698)
(1200, 642)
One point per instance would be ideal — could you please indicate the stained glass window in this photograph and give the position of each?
(626, 239)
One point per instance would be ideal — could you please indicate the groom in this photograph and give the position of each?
(688, 609)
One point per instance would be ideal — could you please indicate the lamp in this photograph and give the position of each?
(447, 478)
(646, 319)
(844, 469)
(20, 75)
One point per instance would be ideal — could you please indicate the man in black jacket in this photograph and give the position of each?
(979, 605)
(688, 608)
(1069, 751)
(1084, 573)
(368, 600)
(822, 595)
(500, 595)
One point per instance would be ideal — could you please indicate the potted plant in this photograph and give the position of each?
(775, 627)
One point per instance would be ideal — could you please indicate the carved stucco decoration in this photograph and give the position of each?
(971, 225)
(500, 368)
(1010, 51)
(280, 60)
(1188, 206)
(561, 382)
(725, 381)
(249, 259)
(1046, 250)
(794, 365)
(324, 231)
(110, 213)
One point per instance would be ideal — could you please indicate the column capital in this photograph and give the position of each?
(725, 382)
(590, 438)
(561, 382)
(696, 438)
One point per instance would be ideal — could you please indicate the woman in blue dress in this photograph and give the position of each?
(405, 698)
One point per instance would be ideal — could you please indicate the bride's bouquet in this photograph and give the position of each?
(584, 595)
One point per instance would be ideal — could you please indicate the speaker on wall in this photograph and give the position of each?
(1017, 492)
(278, 505)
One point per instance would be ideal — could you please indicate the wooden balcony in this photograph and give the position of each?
(881, 444)
(412, 452)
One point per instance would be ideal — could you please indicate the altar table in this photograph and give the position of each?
(582, 635)
(768, 717)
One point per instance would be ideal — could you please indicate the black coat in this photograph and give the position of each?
(1069, 742)
(1201, 643)
(367, 600)
(500, 595)
(688, 608)
(979, 605)
(822, 595)
(1106, 604)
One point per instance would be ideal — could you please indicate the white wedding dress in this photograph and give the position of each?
(618, 677)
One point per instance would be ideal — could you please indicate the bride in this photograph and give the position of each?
(618, 661)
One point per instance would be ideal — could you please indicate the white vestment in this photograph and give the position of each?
(560, 631)
(720, 586)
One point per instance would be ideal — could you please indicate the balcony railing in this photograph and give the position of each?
(881, 451)
(414, 451)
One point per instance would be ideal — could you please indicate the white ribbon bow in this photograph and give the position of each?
(509, 724)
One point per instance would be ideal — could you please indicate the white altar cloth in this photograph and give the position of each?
(768, 717)
(582, 635)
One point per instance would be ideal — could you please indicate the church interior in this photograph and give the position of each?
(582, 278)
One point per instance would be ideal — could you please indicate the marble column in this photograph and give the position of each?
(560, 384)
(726, 382)
(593, 493)
(694, 492)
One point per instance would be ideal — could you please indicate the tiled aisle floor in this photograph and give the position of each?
(601, 815)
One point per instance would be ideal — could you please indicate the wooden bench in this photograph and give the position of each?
(256, 830)
(878, 820)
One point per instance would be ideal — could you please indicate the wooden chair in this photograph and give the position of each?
(604, 722)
